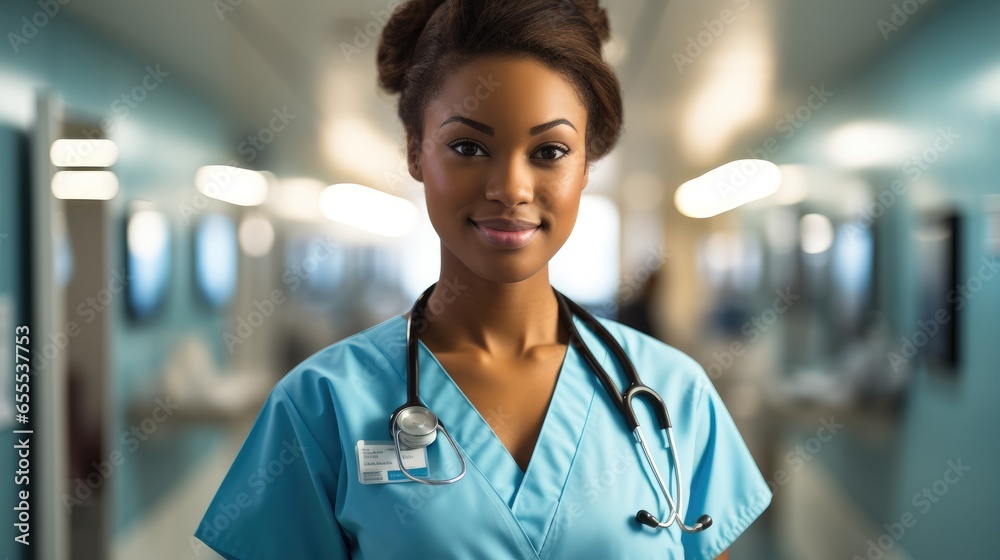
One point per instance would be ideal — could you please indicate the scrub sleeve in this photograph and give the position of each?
(277, 500)
(726, 482)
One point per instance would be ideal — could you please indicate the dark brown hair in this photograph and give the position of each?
(425, 39)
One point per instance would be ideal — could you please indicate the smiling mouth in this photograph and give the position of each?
(506, 239)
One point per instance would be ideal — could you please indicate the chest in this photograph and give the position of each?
(512, 396)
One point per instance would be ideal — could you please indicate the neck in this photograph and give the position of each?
(501, 319)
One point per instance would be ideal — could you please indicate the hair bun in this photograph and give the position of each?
(597, 16)
(399, 39)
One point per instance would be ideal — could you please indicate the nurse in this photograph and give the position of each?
(505, 106)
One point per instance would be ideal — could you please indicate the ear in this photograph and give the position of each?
(586, 174)
(413, 152)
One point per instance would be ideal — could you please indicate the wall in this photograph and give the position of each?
(163, 139)
(930, 80)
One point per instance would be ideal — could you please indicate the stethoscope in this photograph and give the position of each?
(414, 426)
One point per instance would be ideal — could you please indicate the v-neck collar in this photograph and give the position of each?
(532, 496)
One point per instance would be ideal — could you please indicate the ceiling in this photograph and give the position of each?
(757, 59)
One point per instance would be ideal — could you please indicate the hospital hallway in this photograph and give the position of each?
(195, 197)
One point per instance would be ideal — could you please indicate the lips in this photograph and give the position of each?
(507, 234)
(506, 224)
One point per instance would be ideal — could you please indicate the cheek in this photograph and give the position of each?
(445, 197)
(563, 198)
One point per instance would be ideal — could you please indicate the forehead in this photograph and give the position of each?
(504, 92)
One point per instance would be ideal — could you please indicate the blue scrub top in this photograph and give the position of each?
(293, 491)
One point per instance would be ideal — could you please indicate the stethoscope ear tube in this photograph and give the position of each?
(624, 403)
(413, 425)
(566, 308)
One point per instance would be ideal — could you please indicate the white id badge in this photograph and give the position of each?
(377, 462)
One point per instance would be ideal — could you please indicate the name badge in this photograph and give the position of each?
(377, 462)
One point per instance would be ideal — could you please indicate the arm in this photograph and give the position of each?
(723, 556)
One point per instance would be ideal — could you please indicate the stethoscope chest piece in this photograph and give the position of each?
(417, 426)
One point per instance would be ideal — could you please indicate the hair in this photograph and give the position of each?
(424, 40)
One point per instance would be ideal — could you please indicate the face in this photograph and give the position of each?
(504, 140)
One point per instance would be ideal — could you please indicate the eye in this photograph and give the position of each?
(552, 152)
(468, 147)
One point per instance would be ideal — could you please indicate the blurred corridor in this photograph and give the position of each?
(196, 196)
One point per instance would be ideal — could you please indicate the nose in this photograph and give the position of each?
(512, 182)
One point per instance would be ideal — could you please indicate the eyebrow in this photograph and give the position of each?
(488, 130)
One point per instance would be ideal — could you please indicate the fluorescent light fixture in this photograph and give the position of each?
(147, 234)
(869, 144)
(297, 198)
(256, 235)
(242, 187)
(368, 209)
(817, 233)
(726, 187)
(84, 185)
(83, 153)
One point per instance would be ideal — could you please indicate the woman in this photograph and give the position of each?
(505, 106)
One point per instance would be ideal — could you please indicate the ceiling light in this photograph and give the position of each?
(726, 187)
(368, 209)
(84, 185)
(869, 144)
(817, 233)
(256, 235)
(83, 153)
(242, 187)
